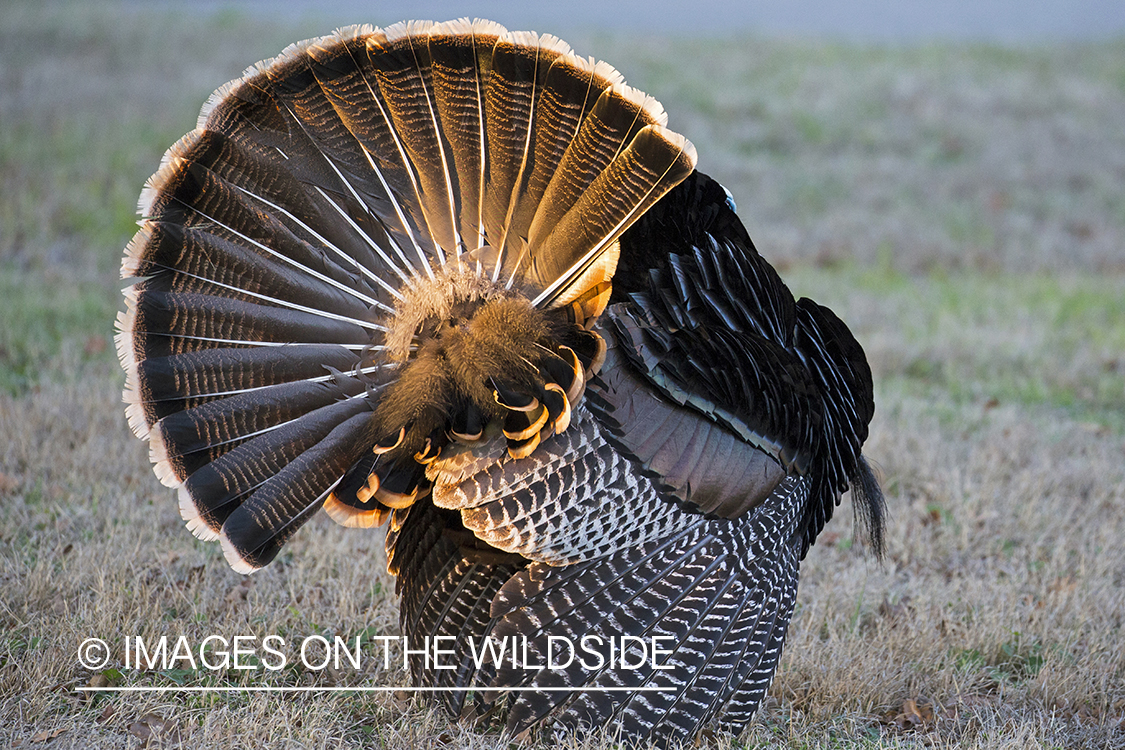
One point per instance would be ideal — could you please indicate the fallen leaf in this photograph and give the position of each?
(239, 592)
(1063, 585)
(897, 611)
(910, 713)
(1080, 229)
(169, 557)
(8, 484)
(107, 713)
(152, 727)
(45, 735)
(912, 717)
(999, 201)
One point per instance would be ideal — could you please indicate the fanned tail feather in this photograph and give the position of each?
(216, 489)
(401, 64)
(281, 238)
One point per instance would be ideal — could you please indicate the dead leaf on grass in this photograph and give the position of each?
(46, 735)
(897, 611)
(152, 729)
(99, 680)
(1063, 585)
(8, 484)
(913, 716)
(169, 557)
(238, 594)
(94, 345)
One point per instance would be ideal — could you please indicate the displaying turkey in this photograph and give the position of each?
(464, 283)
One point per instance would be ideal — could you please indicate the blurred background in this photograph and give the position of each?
(860, 20)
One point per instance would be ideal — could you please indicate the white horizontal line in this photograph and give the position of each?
(337, 689)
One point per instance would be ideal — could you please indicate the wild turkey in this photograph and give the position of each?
(466, 282)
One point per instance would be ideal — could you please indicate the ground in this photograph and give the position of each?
(961, 206)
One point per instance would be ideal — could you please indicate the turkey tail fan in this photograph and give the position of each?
(281, 239)
(717, 598)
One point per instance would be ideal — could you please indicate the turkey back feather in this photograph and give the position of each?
(711, 325)
(713, 594)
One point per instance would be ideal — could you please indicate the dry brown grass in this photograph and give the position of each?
(1000, 429)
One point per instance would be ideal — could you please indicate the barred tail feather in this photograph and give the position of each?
(254, 533)
(188, 440)
(220, 486)
(458, 89)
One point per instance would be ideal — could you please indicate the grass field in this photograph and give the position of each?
(962, 207)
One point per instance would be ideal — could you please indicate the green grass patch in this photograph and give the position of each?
(71, 187)
(1040, 341)
(1016, 660)
(55, 326)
